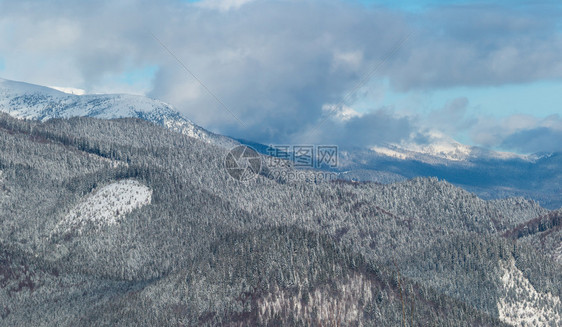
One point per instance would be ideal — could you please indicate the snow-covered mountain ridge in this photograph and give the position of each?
(28, 101)
(449, 150)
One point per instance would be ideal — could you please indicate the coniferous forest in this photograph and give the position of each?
(122, 222)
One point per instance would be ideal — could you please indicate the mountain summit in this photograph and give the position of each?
(29, 101)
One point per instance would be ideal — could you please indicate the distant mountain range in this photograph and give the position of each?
(537, 177)
(489, 174)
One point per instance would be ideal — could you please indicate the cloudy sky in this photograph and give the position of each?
(347, 72)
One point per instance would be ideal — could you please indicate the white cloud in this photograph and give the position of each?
(351, 60)
(223, 5)
(340, 113)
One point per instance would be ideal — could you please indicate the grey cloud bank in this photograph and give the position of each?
(276, 64)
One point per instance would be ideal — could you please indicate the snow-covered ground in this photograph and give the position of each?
(532, 308)
(390, 152)
(322, 305)
(2, 191)
(105, 206)
(558, 253)
(446, 149)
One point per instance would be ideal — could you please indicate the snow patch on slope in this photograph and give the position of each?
(447, 150)
(532, 308)
(558, 253)
(2, 186)
(105, 206)
(322, 307)
(394, 153)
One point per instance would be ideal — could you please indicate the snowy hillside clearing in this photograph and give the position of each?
(105, 206)
(529, 310)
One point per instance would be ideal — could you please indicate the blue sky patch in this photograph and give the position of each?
(132, 77)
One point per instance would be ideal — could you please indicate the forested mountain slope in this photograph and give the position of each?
(544, 233)
(489, 174)
(185, 243)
